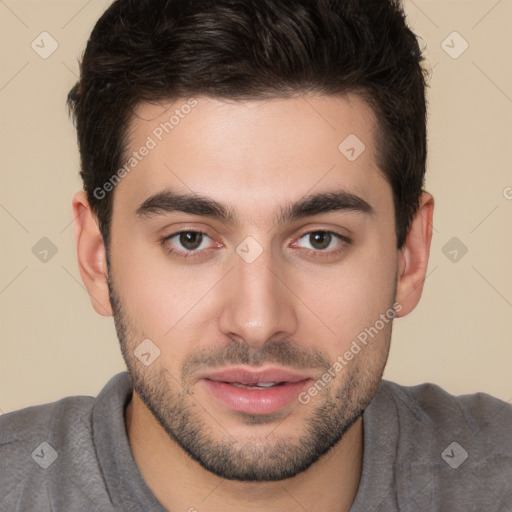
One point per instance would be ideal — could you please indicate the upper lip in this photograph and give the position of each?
(246, 376)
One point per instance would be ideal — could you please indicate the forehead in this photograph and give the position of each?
(261, 151)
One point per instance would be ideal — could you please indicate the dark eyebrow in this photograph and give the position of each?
(169, 201)
(324, 202)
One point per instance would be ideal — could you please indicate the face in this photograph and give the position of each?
(256, 251)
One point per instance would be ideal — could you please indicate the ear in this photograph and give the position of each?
(413, 257)
(91, 254)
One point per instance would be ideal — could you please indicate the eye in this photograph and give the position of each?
(186, 243)
(190, 243)
(323, 241)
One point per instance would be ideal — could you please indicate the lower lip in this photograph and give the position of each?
(256, 401)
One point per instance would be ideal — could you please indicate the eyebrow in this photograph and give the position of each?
(169, 201)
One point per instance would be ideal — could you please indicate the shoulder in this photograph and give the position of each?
(50, 449)
(36, 440)
(431, 405)
(446, 451)
(25, 424)
(69, 416)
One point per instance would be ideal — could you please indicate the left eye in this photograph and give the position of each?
(191, 241)
(321, 240)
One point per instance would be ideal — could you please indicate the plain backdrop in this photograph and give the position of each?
(53, 344)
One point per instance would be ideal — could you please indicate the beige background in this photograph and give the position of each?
(53, 344)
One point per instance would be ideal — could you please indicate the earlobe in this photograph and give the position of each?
(413, 257)
(91, 254)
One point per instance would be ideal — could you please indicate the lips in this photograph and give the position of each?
(263, 391)
(245, 376)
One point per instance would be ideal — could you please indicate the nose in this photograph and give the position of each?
(259, 305)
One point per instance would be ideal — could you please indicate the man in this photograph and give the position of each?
(253, 218)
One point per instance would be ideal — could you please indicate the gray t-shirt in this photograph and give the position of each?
(424, 450)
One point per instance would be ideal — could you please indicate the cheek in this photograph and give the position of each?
(352, 297)
(163, 301)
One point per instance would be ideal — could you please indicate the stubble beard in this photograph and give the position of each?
(255, 459)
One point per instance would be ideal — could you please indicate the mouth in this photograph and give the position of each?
(247, 391)
(259, 385)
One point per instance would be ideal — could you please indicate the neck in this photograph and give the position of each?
(180, 483)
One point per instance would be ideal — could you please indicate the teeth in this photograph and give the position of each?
(258, 385)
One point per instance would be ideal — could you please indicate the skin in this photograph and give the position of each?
(296, 305)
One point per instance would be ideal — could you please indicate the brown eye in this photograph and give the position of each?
(323, 243)
(190, 240)
(320, 239)
(187, 243)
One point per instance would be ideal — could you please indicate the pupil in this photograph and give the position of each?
(190, 240)
(321, 239)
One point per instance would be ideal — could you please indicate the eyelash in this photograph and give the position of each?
(344, 241)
